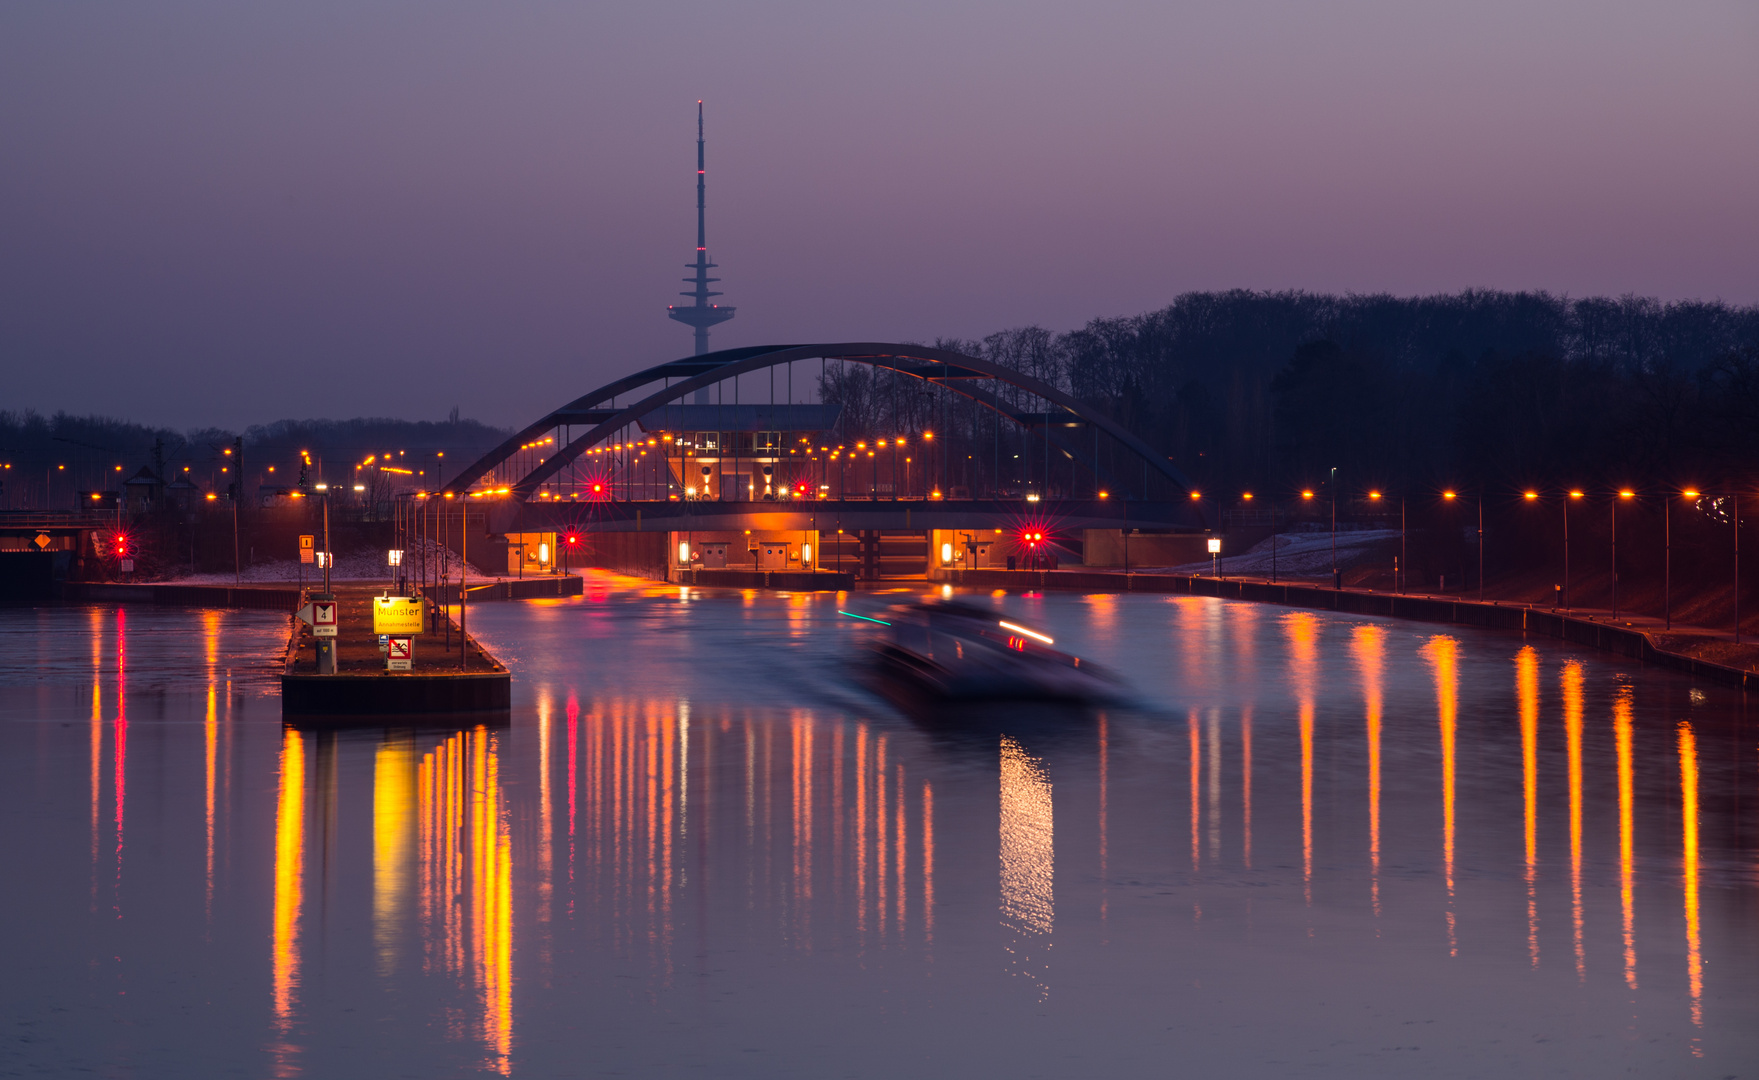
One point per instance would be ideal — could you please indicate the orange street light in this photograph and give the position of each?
(1374, 496)
(1575, 494)
(1667, 550)
(1247, 496)
(1448, 495)
(1627, 493)
(1530, 495)
(1307, 494)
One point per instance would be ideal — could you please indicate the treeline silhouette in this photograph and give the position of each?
(1271, 391)
(53, 456)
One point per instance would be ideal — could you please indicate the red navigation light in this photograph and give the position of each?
(571, 539)
(598, 489)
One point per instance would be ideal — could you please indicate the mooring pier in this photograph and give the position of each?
(448, 672)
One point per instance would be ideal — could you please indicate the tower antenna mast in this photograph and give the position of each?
(700, 315)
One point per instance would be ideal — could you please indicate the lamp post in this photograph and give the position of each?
(1307, 494)
(1623, 493)
(1374, 496)
(1450, 496)
(1481, 543)
(1197, 497)
(1573, 494)
(1404, 552)
(1336, 578)
(1667, 548)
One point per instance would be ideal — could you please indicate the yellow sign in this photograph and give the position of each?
(401, 615)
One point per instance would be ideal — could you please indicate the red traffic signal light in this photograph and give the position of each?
(571, 539)
(121, 546)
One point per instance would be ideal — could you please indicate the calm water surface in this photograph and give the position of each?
(1321, 846)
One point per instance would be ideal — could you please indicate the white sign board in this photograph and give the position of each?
(322, 617)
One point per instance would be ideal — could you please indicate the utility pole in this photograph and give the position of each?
(1404, 552)
(1737, 567)
(1337, 578)
(237, 497)
(463, 573)
(1481, 543)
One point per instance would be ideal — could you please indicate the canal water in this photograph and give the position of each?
(1316, 846)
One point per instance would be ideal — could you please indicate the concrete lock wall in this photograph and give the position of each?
(1106, 547)
(638, 554)
(969, 548)
(756, 549)
(532, 553)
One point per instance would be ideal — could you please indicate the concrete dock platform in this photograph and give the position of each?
(439, 679)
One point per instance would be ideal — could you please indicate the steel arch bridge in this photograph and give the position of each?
(557, 447)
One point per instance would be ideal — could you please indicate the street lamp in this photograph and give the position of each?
(1623, 493)
(1573, 494)
(1337, 581)
(1667, 548)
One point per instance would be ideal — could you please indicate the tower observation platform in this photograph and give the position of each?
(699, 315)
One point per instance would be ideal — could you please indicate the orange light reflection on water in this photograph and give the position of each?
(1688, 745)
(1027, 830)
(1369, 646)
(289, 892)
(1246, 786)
(1527, 690)
(1303, 632)
(1442, 652)
(1621, 730)
(1572, 688)
(1196, 774)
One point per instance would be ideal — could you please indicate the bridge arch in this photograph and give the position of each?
(952, 371)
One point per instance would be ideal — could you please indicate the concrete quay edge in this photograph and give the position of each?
(1629, 642)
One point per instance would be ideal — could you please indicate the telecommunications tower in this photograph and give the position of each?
(700, 315)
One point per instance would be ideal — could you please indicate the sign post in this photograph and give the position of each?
(307, 554)
(399, 615)
(320, 615)
(400, 654)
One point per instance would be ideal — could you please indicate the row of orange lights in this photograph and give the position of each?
(1450, 495)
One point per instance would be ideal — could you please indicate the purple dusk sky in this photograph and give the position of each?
(225, 213)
